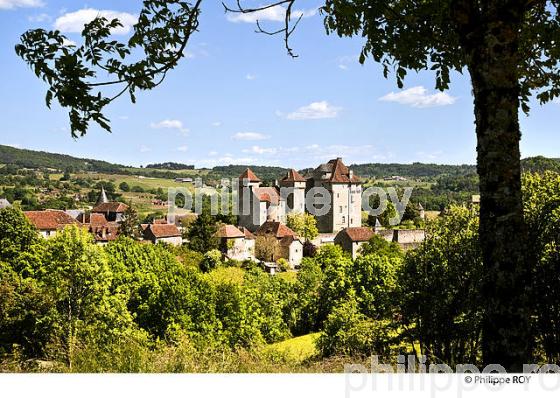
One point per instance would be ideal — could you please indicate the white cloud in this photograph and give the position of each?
(275, 14)
(249, 136)
(315, 110)
(171, 124)
(418, 97)
(183, 148)
(295, 156)
(144, 149)
(317, 153)
(345, 62)
(74, 22)
(12, 4)
(68, 43)
(216, 124)
(39, 17)
(229, 159)
(250, 76)
(260, 150)
(429, 155)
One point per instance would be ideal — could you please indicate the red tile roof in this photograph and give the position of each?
(110, 207)
(341, 173)
(50, 220)
(267, 194)
(163, 230)
(248, 234)
(229, 232)
(358, 234)
(293, 176)
(105, 233)
(275, 228)
(249, 175)
(338, 171)
(97, 219)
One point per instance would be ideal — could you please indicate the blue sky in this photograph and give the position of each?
(239, 99)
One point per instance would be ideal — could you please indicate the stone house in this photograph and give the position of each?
(113, 211)
(258, 204)
(352, 239)
(236, 244)
(48, 222)
(103, 231)
(250, 240)
(275, 241)
(164, 233)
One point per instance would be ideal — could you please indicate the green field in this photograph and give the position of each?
(142, 201)
(298, 348)
(143, 182)
(183, 172)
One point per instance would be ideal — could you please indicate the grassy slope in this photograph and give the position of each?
(298, 348)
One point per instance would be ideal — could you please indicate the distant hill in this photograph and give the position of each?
(419, 170)
(539, 164)
(265, 173)
(413, 170)
(26, 158)
(36, 159)
(170, 166)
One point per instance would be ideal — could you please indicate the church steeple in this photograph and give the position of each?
(102, 197)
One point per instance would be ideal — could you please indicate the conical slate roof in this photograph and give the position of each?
(102, 197)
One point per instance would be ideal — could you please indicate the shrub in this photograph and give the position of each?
(348, 332)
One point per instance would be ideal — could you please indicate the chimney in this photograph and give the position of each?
(351, 173)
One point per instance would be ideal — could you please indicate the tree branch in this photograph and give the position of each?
(288, 28)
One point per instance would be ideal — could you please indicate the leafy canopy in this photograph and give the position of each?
(158, 43)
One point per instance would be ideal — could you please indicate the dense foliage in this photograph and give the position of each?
(130, 306)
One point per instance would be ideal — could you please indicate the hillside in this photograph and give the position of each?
(26, 158)
(414, 170)
(35, 159)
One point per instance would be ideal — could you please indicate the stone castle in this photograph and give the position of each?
(259, 204)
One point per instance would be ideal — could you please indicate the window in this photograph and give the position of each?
(340, 209)
(343, 219)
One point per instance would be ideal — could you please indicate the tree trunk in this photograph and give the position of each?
(493, 63)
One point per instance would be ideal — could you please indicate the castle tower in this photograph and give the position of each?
(345, 189)
(248, 206)
(292, 188)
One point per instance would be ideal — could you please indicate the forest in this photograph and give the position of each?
(68, 305)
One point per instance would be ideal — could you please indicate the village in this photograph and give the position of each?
(261, 232)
